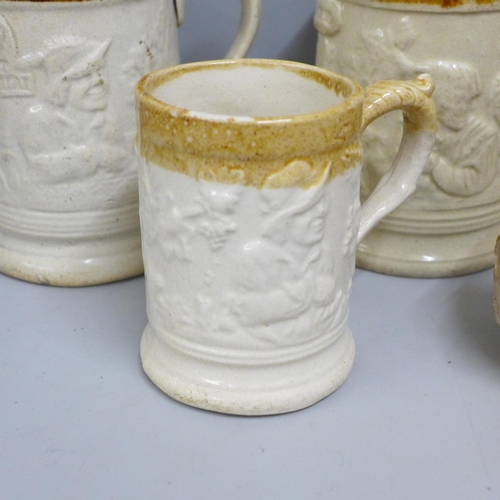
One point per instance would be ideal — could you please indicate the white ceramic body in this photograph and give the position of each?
(449, 226)
(68, 179)
(243, 319)
(250, 218)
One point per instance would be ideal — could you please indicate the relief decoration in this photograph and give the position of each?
(465, 159)
(284, 288)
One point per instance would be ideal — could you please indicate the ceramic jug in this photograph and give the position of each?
(449, 226)
(68, 176)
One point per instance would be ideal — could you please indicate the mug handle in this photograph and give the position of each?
(414, 99)
(249, 22)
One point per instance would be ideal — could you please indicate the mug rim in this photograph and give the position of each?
(432, 6)
(155, 79)
(56, 5)
(164, 128)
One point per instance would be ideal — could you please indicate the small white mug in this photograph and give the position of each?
(250, 217)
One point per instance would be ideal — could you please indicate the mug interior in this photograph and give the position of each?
(252, 90)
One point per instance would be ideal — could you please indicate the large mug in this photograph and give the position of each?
(250, 216)
(450, 224)
(68, 177)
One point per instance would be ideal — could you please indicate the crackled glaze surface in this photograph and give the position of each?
(250, 218)
(68, 182)
(450, 224)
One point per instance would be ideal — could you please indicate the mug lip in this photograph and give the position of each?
(163, 128)
(154, 80)
(432, 6)
(53, 4)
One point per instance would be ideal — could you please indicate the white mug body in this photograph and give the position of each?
(247, 290)
(250, 216)
(449, 225)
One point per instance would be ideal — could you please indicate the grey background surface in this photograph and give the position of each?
(286, 30)
(419, 416)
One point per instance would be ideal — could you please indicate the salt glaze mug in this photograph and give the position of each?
(68, 177)
(250, 216)
(448, 227)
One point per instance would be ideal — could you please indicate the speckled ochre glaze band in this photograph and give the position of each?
(257, 152)
(451, 6)
(442, 3)
(266, 151)
(50, 1)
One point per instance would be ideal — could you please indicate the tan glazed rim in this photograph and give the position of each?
(435, 6)
(55, 5)
(163, 125)
(53, 1)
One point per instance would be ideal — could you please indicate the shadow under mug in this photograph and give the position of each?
(250, 217)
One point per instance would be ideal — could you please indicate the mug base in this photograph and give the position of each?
(72, 265)
(427, 256)
(247, 389)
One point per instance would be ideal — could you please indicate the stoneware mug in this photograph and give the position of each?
(250, 215)
(68, 176)
(450, 224)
